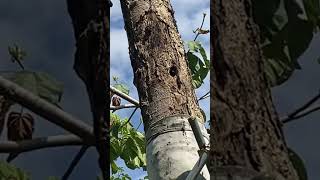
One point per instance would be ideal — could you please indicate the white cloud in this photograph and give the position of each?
(119, 54)
(115, 12)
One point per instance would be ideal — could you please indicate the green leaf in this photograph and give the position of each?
(193, 62)
(127, 143)
(134, 152)
(122, 87)
(199, 68)
(280, 61)
(196, 83)
(300, 31)
(26, 80)
(48, 87)
(203, 53)
(299, 37)
(263, 13)
(193, 46)
(39, 83)
(278, 65)
(114, 168)
(16, 53)
(285, 34)
(8, 171)
(312, 9)
(298, 164)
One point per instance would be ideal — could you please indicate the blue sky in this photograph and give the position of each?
(188, 15)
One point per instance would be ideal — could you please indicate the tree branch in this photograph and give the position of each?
(122, 107)
(74, 162)
(307, 112)
(304, 110)
(41, 142)
(204, 96)
(305, 106)
(198, 33)
(46, 109)
(124, 96)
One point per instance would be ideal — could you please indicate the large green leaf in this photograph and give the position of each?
(39, 83)
(199, 67)
(126, 143)
(114, 168)
(278, 65)
(285, 36)
(298, 164)
(193, 46)
(8, 171)
(134, 152)
(312, 9)
(300, 31)
(263, 12)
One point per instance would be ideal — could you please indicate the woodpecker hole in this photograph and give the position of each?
(173, 71)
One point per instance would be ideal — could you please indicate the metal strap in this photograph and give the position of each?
(168, 124)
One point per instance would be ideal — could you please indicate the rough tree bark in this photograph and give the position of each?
(163, 81)
(90, 20)
(5, 105)
(246, 135)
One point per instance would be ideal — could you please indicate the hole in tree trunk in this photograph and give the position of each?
(173, 71)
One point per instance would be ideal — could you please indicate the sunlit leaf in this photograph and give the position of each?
(122, 87)
(8, 171)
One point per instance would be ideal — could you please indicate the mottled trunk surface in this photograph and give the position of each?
(90, 20)
(161, 74)
(163, 81)
(246, 131)
(5, 105)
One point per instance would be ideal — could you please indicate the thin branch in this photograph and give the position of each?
(130, 117)
(204, 96)
(74, 162)
(124, 96)
(114, 108)
(305, 106)
(204, 16)
(41, 142)
(307, 112)
(304, 110)
(126, 121)
(45, 109)
(139, 124)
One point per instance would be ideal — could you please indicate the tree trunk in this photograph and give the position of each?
(5, 105)
(246, 135)
(164, 85)
(91, 28)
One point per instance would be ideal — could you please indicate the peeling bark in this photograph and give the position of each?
(245, 128)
